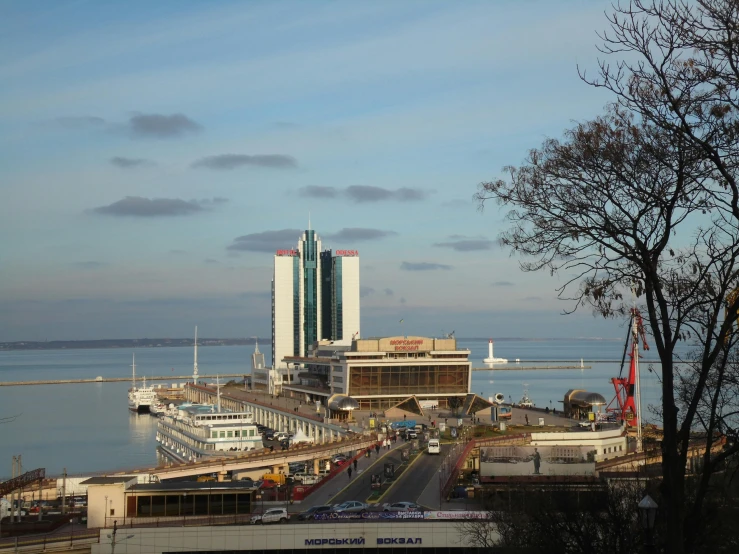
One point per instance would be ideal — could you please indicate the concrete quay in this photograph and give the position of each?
(111, 380)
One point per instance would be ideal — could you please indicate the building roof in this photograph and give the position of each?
(187, 486)
(108, 480)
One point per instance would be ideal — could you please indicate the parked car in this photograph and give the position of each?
(339, 459)
(311, 512)
(281, 437)
(351, 506)
(402, 507)
(411, 434)
(273, 515)
(307, 478)
(269, 435)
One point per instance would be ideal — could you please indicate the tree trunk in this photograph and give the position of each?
(673, 469)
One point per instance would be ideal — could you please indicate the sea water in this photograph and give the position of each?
(87, 428)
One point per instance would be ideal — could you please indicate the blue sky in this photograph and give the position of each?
(138, 140)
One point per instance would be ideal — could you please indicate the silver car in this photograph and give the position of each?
(351, 506)
(402, 507)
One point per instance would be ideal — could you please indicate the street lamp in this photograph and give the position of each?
(71, 532)
(647, 514)
(106, 512)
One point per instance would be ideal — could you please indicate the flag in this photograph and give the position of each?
(401, 321)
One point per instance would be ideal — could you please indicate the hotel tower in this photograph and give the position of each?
(315, 296)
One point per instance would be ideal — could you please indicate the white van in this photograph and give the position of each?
(434, 446)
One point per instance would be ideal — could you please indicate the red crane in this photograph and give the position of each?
(627, 387)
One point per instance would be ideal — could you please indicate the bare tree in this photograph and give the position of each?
(565, 520)
(622, 204)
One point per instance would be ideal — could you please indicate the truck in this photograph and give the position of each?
(5, 509)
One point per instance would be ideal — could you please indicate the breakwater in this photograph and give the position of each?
(112, 380)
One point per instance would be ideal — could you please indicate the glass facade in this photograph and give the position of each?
(408, 380)
(310, 289)
(332, 309)
(164, 505)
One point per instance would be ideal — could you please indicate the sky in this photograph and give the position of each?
(155, 155)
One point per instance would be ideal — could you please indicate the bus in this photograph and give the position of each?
(434, 446)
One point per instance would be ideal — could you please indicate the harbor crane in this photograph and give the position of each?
(628, 389)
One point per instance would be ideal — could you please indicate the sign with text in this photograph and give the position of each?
(536, 460)
(343, 253)
(287, 252)
(406, 344)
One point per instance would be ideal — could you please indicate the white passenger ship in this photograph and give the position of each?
(198, 431)
(140, 399)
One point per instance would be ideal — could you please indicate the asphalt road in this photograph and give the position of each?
(360, 487)
(415, 479)
(407, 488)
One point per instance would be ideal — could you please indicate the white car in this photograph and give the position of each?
(273, 515)
(281, 437)
(307, 478)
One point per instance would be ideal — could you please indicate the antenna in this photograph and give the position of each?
(256, 345)
(195, 364)
(309, 221)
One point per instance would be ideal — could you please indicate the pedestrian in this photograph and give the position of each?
(527, 419)
(355, 465)
(403, 417)
(349, 472)
(377, 449)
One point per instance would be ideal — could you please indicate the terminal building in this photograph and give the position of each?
(380, 373)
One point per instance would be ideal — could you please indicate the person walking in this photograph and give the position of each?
(349, 472)
(527, 419)
(355, 465)
(377, 449)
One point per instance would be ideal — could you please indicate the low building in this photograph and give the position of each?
(428, 536)
(381, 372)
(123, 500)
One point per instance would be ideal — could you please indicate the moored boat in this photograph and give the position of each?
(140, 399)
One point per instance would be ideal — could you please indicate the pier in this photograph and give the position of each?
(113, 380)
(514, 367)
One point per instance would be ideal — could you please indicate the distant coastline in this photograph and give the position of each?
(188, 342)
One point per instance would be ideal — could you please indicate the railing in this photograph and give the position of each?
(471, 445)
(49, 542)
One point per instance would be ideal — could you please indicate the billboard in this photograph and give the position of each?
(536, 460)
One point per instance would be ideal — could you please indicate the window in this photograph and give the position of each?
(230, 434)
(112, 511)
(214, 434)
(222, 434)
(251, 432)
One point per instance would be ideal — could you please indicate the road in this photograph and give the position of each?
(408, 487)
(414, 480)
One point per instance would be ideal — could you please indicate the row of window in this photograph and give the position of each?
(223, 417)
(189, 505)
(232, 434)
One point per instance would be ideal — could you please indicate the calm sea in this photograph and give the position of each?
(87, 428)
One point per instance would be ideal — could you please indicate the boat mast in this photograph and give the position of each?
(218, 388)
(133, 380)
(195, 364)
